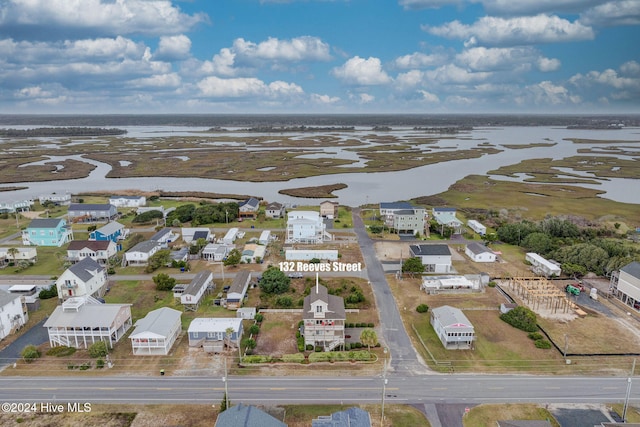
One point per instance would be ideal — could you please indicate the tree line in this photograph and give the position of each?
(60, 131)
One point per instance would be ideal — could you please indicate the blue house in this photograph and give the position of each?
(47, 232)
(113, 231)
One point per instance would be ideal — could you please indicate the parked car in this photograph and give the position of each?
(295, 275)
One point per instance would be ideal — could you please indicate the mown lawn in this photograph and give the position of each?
(488, 415)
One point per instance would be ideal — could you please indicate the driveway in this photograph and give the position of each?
(36, 335)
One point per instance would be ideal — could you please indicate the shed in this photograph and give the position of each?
(246, 313)
(231, 236)
(264, 237)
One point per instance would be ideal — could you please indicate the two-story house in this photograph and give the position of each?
(61, 199)
(447, 217)
(274, 210)
(323, 316)
(435, 258)
(99, 251)
(13, 313)
(47, 232)
(329, 209)
(113, 231)
(128, 201)
(165, 236)
(306, 227)
(249, 208)
(86, 277)
(625, 285)
(140, 253)
(403, 217)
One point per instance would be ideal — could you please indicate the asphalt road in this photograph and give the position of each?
(417, 390)
(404, 359)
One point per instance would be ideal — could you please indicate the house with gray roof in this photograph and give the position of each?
(246, 416)
(91, 212)
(165, 236)
(436, 258)
(85, 278)
(479, 253)
(453, 328)
(403, 217)
(238, 290)
(249, 208)
(323, 318)
(47, 232)
(196, 290)
(140, 253)
(81, 321)
(350, 417)
(274, 210)
(113, 231)
(625, 285)
(156, 333)
(14, 313)
(447, 217)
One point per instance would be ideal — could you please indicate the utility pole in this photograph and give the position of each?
(626, 397)
(226, 387)
(384, 386)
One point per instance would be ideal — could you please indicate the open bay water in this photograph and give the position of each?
(362, 187)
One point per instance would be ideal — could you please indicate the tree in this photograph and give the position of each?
(274, 281)
(164, 282)
(413, 265)
(13, 252)
(368, 337)
(522, 318)
(233, 258)
(159, 259)
(98, 349)
(537, 242)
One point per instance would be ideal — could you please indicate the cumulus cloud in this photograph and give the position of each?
(65, 17)
(452, 74)
(304, 48)
(531, 7)
(245, 87)
(171, 48)
(168, 80)
(546, 93)
(362, 98)
(324, 99)
(512, 59)
(613, 13)
(362, 72)
(408, 81)
(419, 60)
(429, 97)
(525, 30)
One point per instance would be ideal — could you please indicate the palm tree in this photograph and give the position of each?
(13, 252)
(368, 337)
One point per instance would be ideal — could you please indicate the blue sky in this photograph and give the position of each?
(319, 56)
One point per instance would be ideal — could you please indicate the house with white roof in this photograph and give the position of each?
(265, 237)
(542, 266)
(165, 236)
(13, 313)
(59, 199)
(86, 277)
(479, 253)
(216, 252)
(477, 227)
(253, 252)
(82, 321)
(231, 236)
(306, 227)
(156, 333)
(192, 234)
(211, 333)
(453, 328)
(7, 255)
(435, 258)
(128, 201)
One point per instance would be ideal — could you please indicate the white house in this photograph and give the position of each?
(625, 285)
(453, 328)
(542, 266)
(86, 277)
(438, 284)
(13, 313)
(274, 210)
(165, 236)
(435, 258)
(29, 254)
(479, 253)
(265, 237)
(216, 252)
(309, 254)
(477, 227)
(193, 293)
(60, 199)
(82, 321)
(99, 251)
(211, 333)
(140, 253)
(323, 318)
(447, 217)
(128, 201)
(231, 236)
(306, 227)
(156, 333)
(191, 234)
(29, 293)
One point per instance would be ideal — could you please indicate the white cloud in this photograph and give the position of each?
(607, 77)
(409, 80)
(363, 72)
(324, 99)
(548, 64)
(529, 7)
(362, 98)
(545, 93)
(151, 17)
(526, 30)
(630, 68)
(515, 59)
(245, 87)
(173, 48)
(429, 97)
(169, 80)
(613, 13)
(452, 74)
(419, 60)
(305, 48)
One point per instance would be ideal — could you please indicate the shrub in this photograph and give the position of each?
(255, 329)
(535, 336)
(491, 284)
(98, 349)
(259, 318)
(358, 345)
(422, 308)
(309, 347)
(61, 351)
(30, 353)
(369, 325)
(249, 343)
(542, 344)
(300, 342)
(293, 358)
(318, 349)
(85, 366)
(99, 363)
(52, 292)
(284, 302)
(522, 318)
(257, 358)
